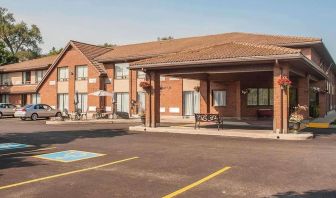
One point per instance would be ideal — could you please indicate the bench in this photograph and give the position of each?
(264, 113)
(207, 117)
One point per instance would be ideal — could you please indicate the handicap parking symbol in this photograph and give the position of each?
(69, 156)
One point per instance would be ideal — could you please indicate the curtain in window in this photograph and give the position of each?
(188, 103)
(38, 76)
(271, 96)
(196, 102)
(81, 72)
(141, 101)
(36, 98)
(63, 102)
(122, 70)
(5, 98)
(122, 100)
(63, 73)
(219, 98)
(263, 96)
(82, 102)
(252, 97)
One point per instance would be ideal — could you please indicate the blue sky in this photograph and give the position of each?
(125, 21)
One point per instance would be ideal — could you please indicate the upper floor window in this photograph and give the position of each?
(81, 72)
(4, 79)
(39, 75)
(141, 74)
(26, 77)
(63, 74)
(121, 70)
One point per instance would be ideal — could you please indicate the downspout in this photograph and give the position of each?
(281, 104)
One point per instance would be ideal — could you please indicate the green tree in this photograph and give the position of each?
(54, 51)
(108, 45)
(165, 38)
(21, 40)
(5, 55)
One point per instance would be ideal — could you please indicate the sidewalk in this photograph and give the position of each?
(99, 121)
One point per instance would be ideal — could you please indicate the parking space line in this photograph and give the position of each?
(64, 174)
(197, 182)
(23, 152)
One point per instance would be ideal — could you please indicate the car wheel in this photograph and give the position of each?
(0, 115)
(22, 118)
(58, 115)
(34, 116)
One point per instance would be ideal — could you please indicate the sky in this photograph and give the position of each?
(125, 21)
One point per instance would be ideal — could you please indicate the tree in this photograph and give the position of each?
(54, 51)
(19, 38)
(165, 38)
(108, 45)
(5, 55)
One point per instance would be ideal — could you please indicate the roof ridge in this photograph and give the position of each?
(280, 35)
(74, 41)
(31, 60)
(285, 49)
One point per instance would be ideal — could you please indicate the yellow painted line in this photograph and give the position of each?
(56, 160)
(319, 125)
(64, 174)
(23, 152)
(197, 182)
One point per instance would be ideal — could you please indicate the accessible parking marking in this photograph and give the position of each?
(69, 156)
(11, 146)
(64, 174)
(197, 182)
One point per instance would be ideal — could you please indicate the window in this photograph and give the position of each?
(4, 98)
(63, 102)
(260, 97)
(63, 74)
(4, 79)
(82, 101)
(141, 101)
(26, 77)
(219, 98)
(36, 98)
(121, 70)
(162, 78)
(122, 100)
(81, 72)
(191, 103)
(141, 75)
(39, 75)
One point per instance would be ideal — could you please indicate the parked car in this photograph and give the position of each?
(35, 111)
(7, 109)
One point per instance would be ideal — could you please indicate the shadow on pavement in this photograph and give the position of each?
(308, 194)
(45, 139)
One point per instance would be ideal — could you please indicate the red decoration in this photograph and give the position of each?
(145, 85)
(284, 81)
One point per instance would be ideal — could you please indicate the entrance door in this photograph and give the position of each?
(191, 103)
(23, 100)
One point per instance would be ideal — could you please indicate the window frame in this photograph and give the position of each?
(59, 79)
(142, 76)
(124, 70)
(269, 95)
(87, 72)
(213, 97)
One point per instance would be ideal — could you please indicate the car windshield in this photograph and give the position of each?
(28, 106)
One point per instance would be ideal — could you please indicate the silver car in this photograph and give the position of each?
(35, 111)
(7, 109)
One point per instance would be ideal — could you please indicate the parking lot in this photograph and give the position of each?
(121, 163)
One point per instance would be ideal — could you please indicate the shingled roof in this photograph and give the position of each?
(152, 49)
(218, 52)
(91, 52)
(39, 63)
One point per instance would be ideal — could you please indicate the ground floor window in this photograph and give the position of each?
(4, 98)
(141, 98)
(191, 103)
(36, 98)
(260, 97)
(219, 98)
(122, 99)
(63, 102)
(82, 101)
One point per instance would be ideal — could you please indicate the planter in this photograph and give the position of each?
(296, 126)
(143, 119)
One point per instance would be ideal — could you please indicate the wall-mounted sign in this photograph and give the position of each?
(174, 110)
(52, 82)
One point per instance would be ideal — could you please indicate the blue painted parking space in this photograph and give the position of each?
(12, 146)
(69, 156)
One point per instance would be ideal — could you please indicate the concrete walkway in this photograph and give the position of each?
(247, 133)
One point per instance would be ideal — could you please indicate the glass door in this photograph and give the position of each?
(191, 103)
